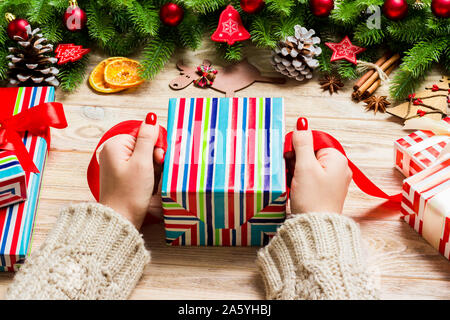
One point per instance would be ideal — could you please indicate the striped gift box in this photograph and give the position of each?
(13, 187)
(224, 172)
(426, 204)
(418, 150)
(16, 221)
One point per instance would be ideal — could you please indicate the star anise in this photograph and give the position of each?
(331, 83)
(377, 104)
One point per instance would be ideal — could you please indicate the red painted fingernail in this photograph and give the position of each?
(302, 124)
(151, 118)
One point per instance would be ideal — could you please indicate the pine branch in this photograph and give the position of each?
(367, 37)
(52, 32)
(346, 70)
(128, 43)
(3, 36)
(445, 60)
(404, 83)
(234, 52)
(204, 6)
(408, 30)
(99, 24)
(190, 31)
(262, 31)
(3, 64)
(439, 27)
(40, 11)
(285, 27)
(72, 74)
(155, 54)
(145, 18)
(325, 64)
(281, 7)
(60, 6)
(419, 59)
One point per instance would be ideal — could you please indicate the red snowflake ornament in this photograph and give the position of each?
(70, 52)
(344, 50)
(230, 28)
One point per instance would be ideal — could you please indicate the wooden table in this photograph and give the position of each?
(408, 267)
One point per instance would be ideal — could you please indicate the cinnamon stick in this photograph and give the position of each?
(355, 96)
(366, 85)
(377, 83)
(367, 75)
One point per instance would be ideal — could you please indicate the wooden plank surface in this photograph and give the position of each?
(408, 268)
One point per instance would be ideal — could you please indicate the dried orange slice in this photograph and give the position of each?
(97, 78)
(123, 73)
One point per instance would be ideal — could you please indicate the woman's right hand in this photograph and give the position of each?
(321, 180)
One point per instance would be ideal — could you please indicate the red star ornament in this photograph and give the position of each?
(70, 52)
(230, 28)
(344, 50)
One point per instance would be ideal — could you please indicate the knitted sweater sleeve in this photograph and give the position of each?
(316, 256)
(92, 252)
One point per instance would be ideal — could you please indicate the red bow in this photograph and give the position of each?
(37, 121)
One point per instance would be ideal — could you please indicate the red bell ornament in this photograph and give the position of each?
(171, 14)
(17, 27)
(441, 8)
(395, 9)
(252, 6)
(321, 8)
(74, 18)
(230, 27)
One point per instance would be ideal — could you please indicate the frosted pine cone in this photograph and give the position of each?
(294, 56)
(30, 64)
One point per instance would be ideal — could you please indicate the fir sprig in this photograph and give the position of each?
(155, 54)
(72, 73)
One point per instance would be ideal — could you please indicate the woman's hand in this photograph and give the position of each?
(127, 171)
(320, 182)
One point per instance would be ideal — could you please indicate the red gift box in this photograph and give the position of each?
(426, 204)
(419, 150)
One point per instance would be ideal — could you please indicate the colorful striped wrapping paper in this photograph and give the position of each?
(418, 150)
(13, 187)
(426, 204)
(17, 221)
(224, 177)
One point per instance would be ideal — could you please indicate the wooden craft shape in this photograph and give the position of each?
(437, 99)
(228, 80)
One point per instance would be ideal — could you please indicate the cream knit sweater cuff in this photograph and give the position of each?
(92, 252)
(316, 256)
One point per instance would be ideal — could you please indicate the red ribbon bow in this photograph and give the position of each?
(37, 121)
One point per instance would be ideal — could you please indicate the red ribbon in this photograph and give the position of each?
(321, 140)
(37, 121)
(130, 127)
(324, 140)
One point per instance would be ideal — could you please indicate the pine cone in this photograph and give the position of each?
(30, 65)
(294, 57)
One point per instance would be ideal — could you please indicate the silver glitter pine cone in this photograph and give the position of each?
(295, 56)
(30, 64)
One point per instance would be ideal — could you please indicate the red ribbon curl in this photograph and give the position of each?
(324, 140)
(130, 127)
(37, 121)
